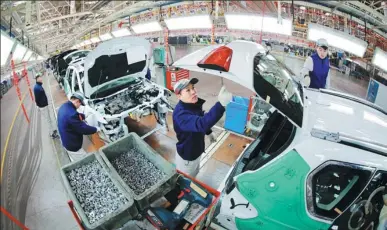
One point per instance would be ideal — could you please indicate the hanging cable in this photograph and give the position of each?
(10, 28)
(365, 29)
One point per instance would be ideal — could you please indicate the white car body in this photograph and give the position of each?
(117, 93)
(279, 181)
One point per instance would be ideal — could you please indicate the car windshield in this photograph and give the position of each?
(113, 87)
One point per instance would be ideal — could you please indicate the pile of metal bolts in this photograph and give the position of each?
(137, 171)
(95, 191)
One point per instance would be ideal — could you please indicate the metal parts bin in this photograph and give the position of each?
(117, 218)
(160, 188)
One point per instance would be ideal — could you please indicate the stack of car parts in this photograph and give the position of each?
(99, 199)
(148, 175)
(137, 171)
(95, 191)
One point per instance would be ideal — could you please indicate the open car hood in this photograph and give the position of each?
(115, 62)
(76, 54)
(248, 64)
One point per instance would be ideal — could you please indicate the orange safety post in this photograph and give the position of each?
(16, 83)
(13, 219)
(28, 81)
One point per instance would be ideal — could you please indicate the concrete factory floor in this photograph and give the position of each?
(31, 185)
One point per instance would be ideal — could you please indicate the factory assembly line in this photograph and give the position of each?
(221, 136)
(127, 179)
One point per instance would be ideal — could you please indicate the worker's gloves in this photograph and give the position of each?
(306, 81)
(98, 129)
(224, 96)
(212, 138)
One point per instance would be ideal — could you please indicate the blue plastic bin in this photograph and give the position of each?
(236, 114)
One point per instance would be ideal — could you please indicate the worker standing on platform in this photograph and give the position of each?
(72, 127)
(191, 124)
(42, 103)
(315, 72)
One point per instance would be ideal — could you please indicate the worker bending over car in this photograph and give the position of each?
(191, 124)
(72, 127)
(315, 73)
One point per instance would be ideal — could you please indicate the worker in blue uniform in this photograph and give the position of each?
(42, 104)
(72, 127)
(315, 72)
(191, 124)
(148, 74)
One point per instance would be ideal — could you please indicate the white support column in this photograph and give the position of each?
(279, 20)
(72, 7)
(216, 10)
(27, 19)
(37, 8)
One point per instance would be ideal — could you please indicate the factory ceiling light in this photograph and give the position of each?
(121, 32)
(380, 59)
(6, 47)
(147, 27)
(337, 39)
(191, 22)
(106, 36)
(254, 22)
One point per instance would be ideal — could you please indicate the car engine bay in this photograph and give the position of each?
(138, 99)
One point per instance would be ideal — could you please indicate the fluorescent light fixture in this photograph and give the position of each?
(337, 39)
(87, 42)
(147, 27)
(19, 53)
(191, 22)
(28, 55)
(106, 36)
(95, 40)
(302, 8)
(6, 47)
(121, 32)
(380, 59)
(254, 22)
